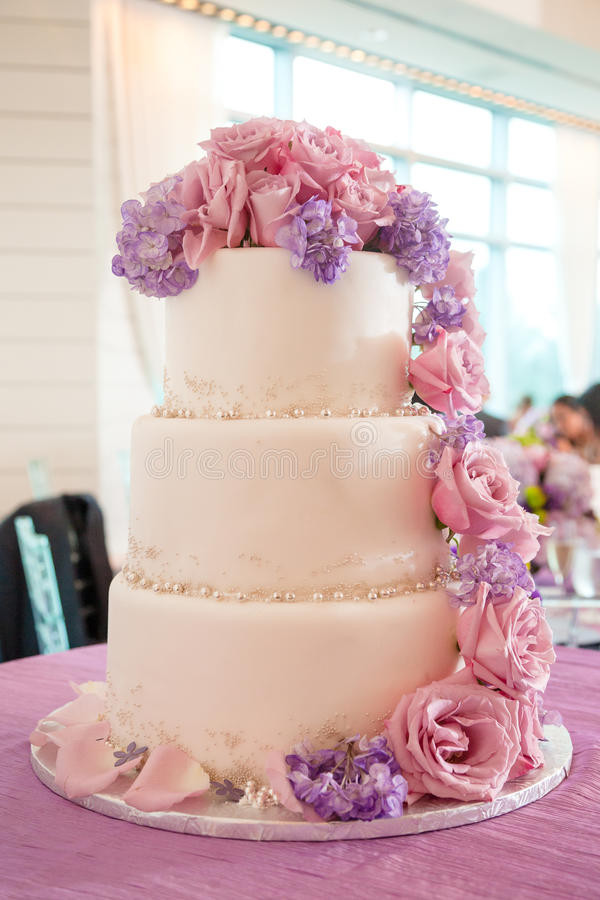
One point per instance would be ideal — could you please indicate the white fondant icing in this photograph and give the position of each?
(228, 682)
(288, 505)
(255, 334)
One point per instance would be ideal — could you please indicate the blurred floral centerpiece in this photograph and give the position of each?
(555, 485)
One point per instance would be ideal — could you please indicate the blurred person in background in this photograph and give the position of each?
(575, 420)
(527, 416)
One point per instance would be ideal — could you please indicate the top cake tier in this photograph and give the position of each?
(256, 337)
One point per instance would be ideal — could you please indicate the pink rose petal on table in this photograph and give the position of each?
(41, 733)
(93, 731)
(85, 708)
(87, 766)
(168, 777)
(90, 687)
(277, 772)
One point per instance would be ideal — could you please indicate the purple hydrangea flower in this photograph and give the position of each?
(417, 238)
(150, 244)
(358, 779)
(318, 242)
(132, 752)
(496, 564)
(461, 431)
(444, 310)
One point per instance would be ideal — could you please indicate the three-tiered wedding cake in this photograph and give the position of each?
(291, 625)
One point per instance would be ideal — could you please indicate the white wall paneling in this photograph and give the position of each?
(48, 382)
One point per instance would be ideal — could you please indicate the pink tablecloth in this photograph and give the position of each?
(53, 849)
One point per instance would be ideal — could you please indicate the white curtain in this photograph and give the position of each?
(154, 98)
(577, 193)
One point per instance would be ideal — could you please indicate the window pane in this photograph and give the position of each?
(531, 149)
(530, 215)
(359, 105)
(451, 129)
(462, 198)
(246, 77)
(533, 361)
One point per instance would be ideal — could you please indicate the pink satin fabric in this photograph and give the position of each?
(54, 849)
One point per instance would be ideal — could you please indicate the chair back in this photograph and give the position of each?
(42, 587)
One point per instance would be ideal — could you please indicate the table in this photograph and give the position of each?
(574, 620)
(53, 849)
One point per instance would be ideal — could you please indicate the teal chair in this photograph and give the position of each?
(42, 587)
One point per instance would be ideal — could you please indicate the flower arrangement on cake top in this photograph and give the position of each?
(275, 183)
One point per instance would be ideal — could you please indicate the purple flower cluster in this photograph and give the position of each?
(461, 431)
(358, 779)
(150, 244)
(496, 564)
(417, 238)
(444, 310)
(317, 241)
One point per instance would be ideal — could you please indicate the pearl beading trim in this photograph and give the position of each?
(411, 409)
(258, 797)
(137, 579)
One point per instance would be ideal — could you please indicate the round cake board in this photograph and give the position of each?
(208, 815)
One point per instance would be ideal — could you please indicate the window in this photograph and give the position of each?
(490, 173)
(362, 103)
(254, 93)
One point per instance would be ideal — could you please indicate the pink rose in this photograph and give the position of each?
(318, 159)
(361, 152)
(257, 143)
(214, 192)
(475, 494)
(522, 534)
(449, 374)
(455, 738)
(269, 196)
(508, 645)
(365, 199)
(459, 276)
(531, 732)
(471, 324)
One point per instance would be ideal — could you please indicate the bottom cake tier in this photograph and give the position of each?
(229, 681)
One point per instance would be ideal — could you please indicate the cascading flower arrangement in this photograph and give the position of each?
(273, 183)
(463, 737)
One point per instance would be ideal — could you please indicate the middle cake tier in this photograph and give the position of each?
(299, 508)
